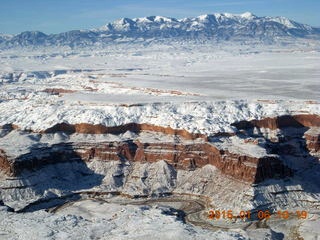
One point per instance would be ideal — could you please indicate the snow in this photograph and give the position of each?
(95, 220)
(194, 88)
(203, 117)
(247, 15)
(16, 143)
(237, 145)
(203, 17)
(310, 229)
(210, 28)
(216, 86)
(162, 19)
(89, 216)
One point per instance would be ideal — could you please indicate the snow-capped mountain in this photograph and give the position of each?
(218, 26)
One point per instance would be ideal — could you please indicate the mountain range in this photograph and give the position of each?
(212, 27)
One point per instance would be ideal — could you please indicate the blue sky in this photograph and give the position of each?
(53, 16)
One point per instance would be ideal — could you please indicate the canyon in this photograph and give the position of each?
(92, 140)
(271, 141)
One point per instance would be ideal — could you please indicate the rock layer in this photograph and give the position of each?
(297, 121)
(180, 156)
(133, 127)
(183, 154)
(313, 140)
(5, 165)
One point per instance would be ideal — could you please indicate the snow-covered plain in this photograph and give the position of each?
(130, 73)
(198, 89)
(202, 89)
(96, 220)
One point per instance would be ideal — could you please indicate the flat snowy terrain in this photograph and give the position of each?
(135, 73)
(39, 89)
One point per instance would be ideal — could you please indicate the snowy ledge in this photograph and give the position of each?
(195, 117)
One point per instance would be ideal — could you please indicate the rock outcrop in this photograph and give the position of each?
(296, 121)
(186, 154)
(180, 156)
(124, 159)
(5, 165)
(132, 127)
(57, 91)
(312, 137)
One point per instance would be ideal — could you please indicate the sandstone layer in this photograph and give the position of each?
(181, 154)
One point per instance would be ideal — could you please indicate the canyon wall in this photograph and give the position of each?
(180, 156)
(184, 154)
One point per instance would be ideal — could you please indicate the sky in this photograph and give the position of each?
(55, 16)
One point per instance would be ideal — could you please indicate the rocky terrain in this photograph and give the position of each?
(270, 148)
(270, 163)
